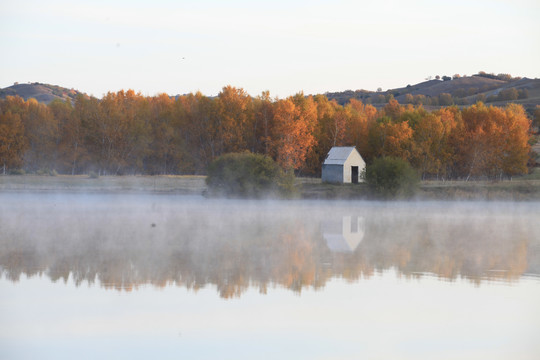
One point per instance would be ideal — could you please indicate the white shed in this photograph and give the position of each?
(343, 164)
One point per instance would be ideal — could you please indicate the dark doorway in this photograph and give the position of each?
(354, 174)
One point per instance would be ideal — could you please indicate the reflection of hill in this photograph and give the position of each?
(237, 245)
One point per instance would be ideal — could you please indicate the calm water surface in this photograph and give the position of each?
(168, 277)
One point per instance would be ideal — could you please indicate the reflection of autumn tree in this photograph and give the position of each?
(296, 263)
(452, 248)
(235, 249)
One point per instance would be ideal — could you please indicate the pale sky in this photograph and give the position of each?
(313, 46)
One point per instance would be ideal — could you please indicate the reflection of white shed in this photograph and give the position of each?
(344, 235)
(343, 165)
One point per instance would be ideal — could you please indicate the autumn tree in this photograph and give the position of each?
(70, 137)
(329, 131)
(292, 133)
(263, 109)
(391, 139)
(474, 150)
(514, 142)
(495, 141)
(79, 141)
(126, 132)
(409, 99)
(393, 109)
(40, 130)
(445, 99)
(508, 94)
(235, 120)
(12, 140)
(428, 144)
(362, 117)
(163, 150)
(119, 134)
(452, 136)
(202, 129)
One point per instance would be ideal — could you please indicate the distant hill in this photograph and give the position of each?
(44, 93)
(459, 91)
(462, 91)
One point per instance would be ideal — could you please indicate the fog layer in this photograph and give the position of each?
(123, 241)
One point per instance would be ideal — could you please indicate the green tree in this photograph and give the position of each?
(445, 99)
(536, 121)
(391, 177)
(247, 175)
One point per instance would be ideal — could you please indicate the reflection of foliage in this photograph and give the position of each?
(257, 245)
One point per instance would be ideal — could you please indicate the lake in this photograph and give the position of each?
(140, 276)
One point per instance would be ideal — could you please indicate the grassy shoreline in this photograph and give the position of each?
(187, 184)
(522, 189)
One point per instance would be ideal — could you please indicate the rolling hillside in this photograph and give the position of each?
(460, 91)
(44, 93)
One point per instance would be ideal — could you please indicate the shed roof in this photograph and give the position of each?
(338, 155)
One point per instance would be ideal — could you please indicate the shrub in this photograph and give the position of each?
(93, 175)
(248, 175)
(17, 172)
(391, 177)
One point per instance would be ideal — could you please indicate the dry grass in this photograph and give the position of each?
(522, 188)
(189, 184)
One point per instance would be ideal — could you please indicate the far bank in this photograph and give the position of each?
(519, 189)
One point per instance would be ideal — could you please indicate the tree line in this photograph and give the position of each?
(128, 133)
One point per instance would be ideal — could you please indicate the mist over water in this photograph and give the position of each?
(91, 276)
(124, 241)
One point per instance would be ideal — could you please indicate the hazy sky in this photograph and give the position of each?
(285, 47)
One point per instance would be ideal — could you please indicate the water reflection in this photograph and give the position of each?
(345, 234)
(123, 242)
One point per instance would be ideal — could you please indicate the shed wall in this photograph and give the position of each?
(354, 160)
(347, 173)
(333, 173)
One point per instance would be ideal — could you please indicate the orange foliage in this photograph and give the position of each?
(12, 141)
(292, 131)
(126, 132)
